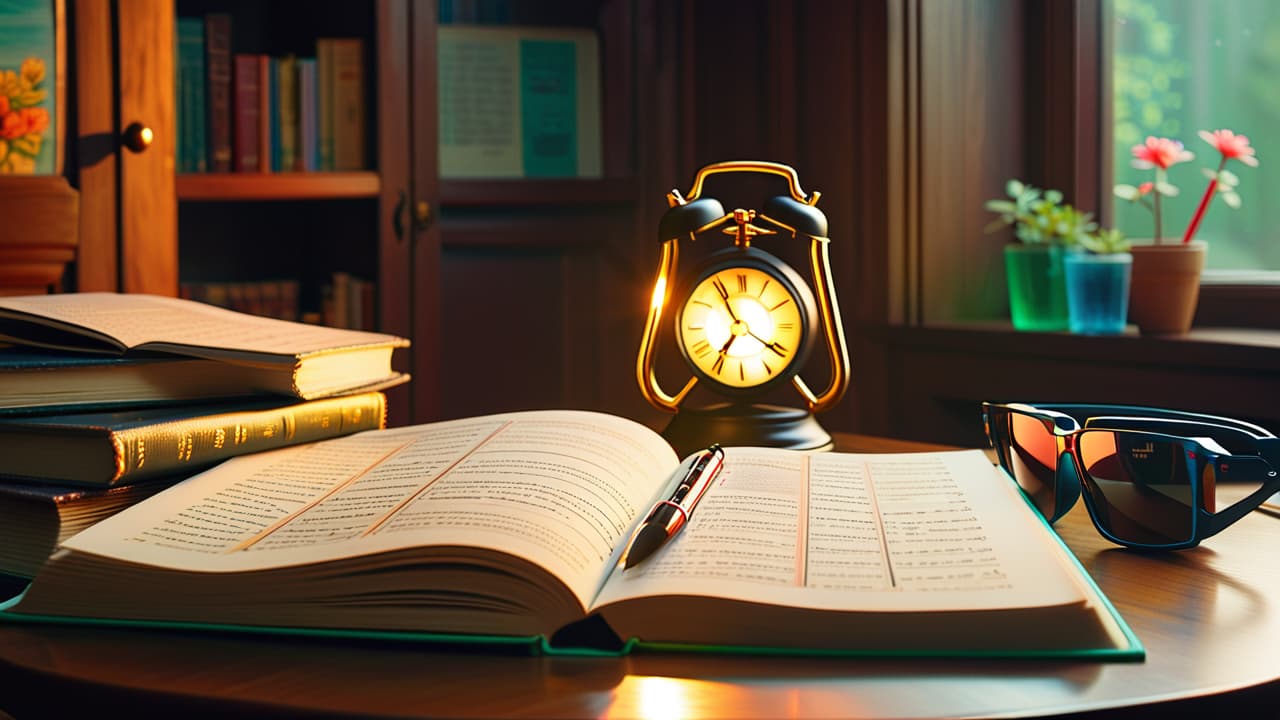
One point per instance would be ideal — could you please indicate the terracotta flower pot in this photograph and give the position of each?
(1165, 286)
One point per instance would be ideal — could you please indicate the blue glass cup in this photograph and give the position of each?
(1097, 291)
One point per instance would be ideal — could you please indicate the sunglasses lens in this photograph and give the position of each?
(1139, 486)
(1031, 456)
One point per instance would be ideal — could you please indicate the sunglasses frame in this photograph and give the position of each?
(1253, 455)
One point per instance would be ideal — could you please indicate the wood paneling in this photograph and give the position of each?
(149, 206)
(393, 227)
(97, 264)
(940, 375)
(426, 287)
(972, 139)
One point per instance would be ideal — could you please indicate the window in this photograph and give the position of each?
(1181, 66)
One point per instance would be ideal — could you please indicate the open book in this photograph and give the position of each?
(276, 356)
(513, 525)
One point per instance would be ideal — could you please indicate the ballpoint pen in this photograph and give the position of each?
(668, 516)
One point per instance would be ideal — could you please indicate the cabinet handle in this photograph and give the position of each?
(397, 216)
(422, 216)
(137, 137)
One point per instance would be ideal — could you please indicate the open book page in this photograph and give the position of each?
(557, 488)
(134, 320)
(938, 531)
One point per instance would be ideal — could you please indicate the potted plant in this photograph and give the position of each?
(1098, 283)
(1166, 274)
(1046, 228)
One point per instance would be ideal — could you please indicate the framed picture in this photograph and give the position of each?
(32, 60)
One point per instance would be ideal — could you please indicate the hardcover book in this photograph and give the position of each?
(109, 448)
(513, 528)
(248, 114)
(307, 361)
(192, 114)
(35, 517)
(348, 103)
(218, 64)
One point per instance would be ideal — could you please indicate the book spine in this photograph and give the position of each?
(248, 114)
(324, 89)
(348, 104)
(218, 61)
(195, 443)
(191, 100)
(265, 119)
(273, 100)
(308, 149)
(287, 89)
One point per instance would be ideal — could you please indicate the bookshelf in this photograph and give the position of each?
(447, 255)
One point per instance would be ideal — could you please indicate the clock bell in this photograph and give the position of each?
(745, 320)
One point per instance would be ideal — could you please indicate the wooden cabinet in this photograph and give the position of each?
(517, 293)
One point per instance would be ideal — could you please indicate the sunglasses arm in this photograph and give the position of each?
(1247, 469)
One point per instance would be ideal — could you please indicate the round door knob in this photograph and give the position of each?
(137, 137)
(422, 215)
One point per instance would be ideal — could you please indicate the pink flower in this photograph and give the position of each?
(1160, 153)
(1231, 145)
(1146, 188)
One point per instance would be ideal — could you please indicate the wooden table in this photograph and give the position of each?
(1209, 617)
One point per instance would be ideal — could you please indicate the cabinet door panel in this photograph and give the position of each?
(148, 204)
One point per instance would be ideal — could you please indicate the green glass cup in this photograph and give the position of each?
(1037, 286)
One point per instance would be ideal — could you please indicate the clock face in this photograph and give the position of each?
(741, 326)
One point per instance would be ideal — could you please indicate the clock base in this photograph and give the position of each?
(694, 429)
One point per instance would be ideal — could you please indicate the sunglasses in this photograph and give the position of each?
(1148, 475)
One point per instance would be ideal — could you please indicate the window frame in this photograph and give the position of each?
(1082, 57)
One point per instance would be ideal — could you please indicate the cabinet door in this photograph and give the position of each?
(128, 229)
(530, 293)
(148, 204)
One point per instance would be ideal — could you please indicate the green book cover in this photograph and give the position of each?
(192, 123)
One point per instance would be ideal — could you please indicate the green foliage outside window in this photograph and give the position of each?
(1181, 66)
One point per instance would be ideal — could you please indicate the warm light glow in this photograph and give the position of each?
(659, 292)
(661, 698)
(741, 327)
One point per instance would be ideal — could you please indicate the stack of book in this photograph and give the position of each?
(107, 398)
(251, 112)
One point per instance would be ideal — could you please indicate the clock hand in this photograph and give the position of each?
(774, 346)
(724, 297)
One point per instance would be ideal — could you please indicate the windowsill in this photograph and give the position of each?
(1222, 347)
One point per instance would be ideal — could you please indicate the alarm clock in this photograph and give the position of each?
(745, 321)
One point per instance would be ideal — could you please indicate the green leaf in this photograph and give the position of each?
(1166, 189)
(1053, 196)
(1228, 178)
(1014, 188)
(997, 224)
(1000, 206)
(1232, 200)
(1126, 192)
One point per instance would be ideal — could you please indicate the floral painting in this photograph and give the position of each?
(27, 46)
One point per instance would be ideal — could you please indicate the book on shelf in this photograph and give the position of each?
(36, 517)
(192, 119)
(343, 83)
(308, 116)
(265, 116)
(286, 102)
(512, 528)
(306, 360)
(247, 128)
(218, 64)
(518, 102)
(123, 446)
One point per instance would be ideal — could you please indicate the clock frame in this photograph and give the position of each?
(731, 276)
